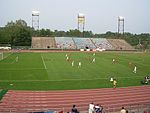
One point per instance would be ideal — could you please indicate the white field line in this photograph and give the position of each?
(15, 69)
(135, 77)
(43, 62)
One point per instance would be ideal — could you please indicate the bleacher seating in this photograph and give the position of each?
(80, 43)
(65, 43)
(119, 44)
(84, 43)
(102, 43)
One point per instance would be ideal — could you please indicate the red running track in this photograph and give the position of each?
(109, 98)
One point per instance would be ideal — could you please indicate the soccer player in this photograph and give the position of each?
(93, 60)
(66, 55)
(67, 58)
(114, 83)
(72, 63)
(79, 64)
(113, 61)
(111, 79)
(134, 71)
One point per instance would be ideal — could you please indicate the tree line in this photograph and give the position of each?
(18, 33)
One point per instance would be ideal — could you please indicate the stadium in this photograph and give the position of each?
(42, 79)
(57, 65)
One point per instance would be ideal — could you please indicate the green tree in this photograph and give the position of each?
(18, 33)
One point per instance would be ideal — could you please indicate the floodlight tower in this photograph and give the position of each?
(120, 25)
(35, 19)
(81, 22)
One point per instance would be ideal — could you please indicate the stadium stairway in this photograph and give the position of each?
(93, 43)
(111, 99)
(74, 43)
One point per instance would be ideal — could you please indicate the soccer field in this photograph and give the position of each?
(47, 71)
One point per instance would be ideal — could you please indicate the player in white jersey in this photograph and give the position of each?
(67, 58)
(134, 71)
(79, 65)
(72, 63)
(93, 60)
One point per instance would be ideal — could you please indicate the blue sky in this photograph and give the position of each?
(101, 15)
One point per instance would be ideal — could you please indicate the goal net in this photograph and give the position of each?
(4, 54)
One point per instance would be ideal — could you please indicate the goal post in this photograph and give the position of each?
(1, 56)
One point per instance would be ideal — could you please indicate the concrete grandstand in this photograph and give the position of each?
(119, 44)
(76, 43)
(43, 42)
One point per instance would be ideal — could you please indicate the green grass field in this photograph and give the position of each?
(51, 71)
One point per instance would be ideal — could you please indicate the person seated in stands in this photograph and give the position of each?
(74, 109)
(91, 108)
(144, 112)
(98, 109)
(123, 110)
